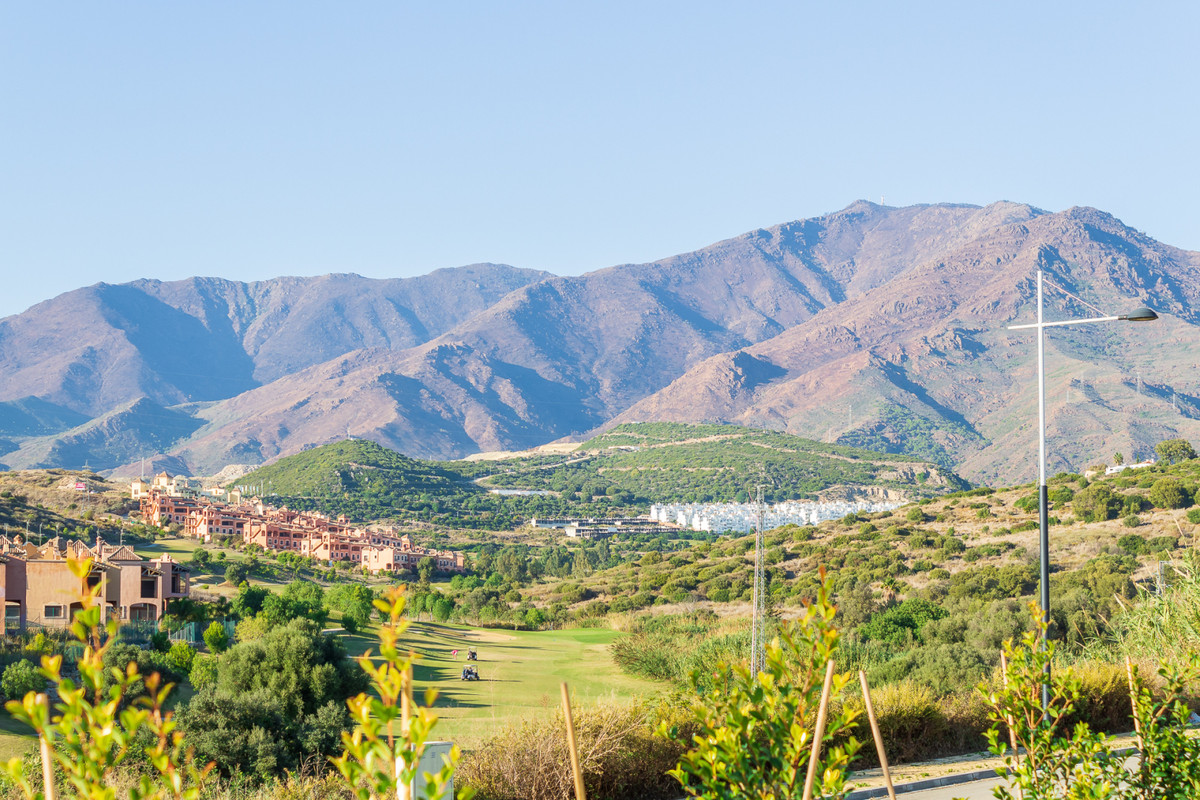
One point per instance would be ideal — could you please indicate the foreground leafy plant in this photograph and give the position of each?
(755, 731)
(93, 729)
(384, 749)
(1050, 762)
(1170, 764)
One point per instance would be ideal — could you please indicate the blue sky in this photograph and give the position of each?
(250, 140)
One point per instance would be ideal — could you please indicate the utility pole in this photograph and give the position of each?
(758, 621)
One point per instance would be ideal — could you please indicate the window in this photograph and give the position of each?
(53, 612)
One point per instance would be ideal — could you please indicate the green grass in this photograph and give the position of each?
(179, 547)
(16, 738)
(520, 673)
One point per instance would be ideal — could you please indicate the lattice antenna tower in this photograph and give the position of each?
(758, 620)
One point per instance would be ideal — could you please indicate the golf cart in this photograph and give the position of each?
(469, 673)
(471, 656)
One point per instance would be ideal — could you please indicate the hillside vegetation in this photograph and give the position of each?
(622, 471)
(355, 467)
(677, 462)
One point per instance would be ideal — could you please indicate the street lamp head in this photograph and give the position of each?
(1140, 314)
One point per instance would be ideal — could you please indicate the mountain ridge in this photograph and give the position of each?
(869, 324)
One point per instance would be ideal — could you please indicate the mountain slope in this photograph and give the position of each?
(881, 327)
(200, 339)
(563, 356)
(930, 361)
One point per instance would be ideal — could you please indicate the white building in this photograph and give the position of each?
(741, 517)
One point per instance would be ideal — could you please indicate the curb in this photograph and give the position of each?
(922, 785)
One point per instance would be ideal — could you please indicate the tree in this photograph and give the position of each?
(276, 702)
(1170, 493)
(354, 601)
(236, 574)
(1175, 450)
(442, 608)
(1118, 458)
(216, 638)
(1097, 503)
(249, 600)
(425, 568)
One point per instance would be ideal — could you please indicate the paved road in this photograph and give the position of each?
(975, 790)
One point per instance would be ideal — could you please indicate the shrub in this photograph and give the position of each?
(20, 678)
(277, 701)
(911, 721)
(1169, 493)
(180, 657)
(1132, 543)
(204, 672)
(952, 545)
(216, 638)
(1097, 503)
(902, 622)
(1193, 516)
(1061, 760)
(748, 743)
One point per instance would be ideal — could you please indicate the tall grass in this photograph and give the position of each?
(1163, 625)
(669, 648)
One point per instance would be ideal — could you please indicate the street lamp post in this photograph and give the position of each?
(1140, 314)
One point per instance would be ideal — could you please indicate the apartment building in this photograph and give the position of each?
(39, 588)
(307, 533)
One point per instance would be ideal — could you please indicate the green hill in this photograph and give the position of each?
(355, 468)
(622, 471)
(676, 462)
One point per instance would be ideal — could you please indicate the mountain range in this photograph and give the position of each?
(874, 326)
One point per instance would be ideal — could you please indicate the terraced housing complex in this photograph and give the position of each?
(307, 533)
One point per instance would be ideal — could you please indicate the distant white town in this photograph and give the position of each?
(741, 517)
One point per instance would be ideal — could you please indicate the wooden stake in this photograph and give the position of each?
(819, 733)
(883, 762)
(47, 754)
(1137, 727)
(580, 792)
(1012, 731)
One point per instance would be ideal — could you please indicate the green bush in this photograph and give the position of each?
(1097, 503)
(1133, 544)
(216, 638)
(1193, 516)
(20, 678)
(276, 702)
(180, 657)
(1170, 493)
(747, 723)
(901, 623)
